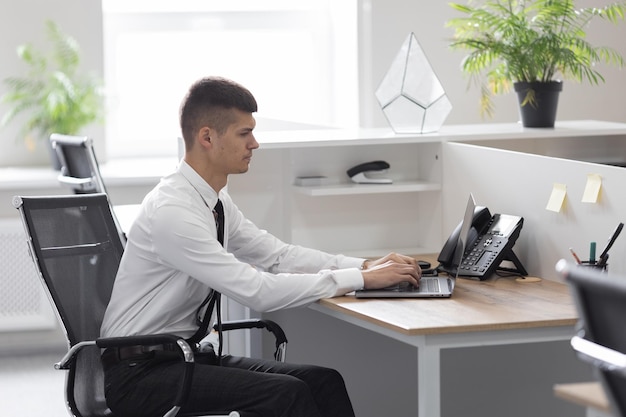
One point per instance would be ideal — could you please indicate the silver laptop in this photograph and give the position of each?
(430, 287)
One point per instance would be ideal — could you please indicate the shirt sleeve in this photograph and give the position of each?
(256, 269)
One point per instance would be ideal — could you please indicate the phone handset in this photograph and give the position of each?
(359, 173)
(481, 218)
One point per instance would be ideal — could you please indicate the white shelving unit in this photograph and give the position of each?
(342, 216)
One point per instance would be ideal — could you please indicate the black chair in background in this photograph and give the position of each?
(80, 170)
(601, 340)
(79, 166)
(76, 249)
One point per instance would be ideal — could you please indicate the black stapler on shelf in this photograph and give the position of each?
(359, 173)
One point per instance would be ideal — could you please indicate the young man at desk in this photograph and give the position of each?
(175, 256)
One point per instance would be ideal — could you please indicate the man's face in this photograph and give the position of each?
(233, 149)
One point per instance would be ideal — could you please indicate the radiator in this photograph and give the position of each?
(23, 301)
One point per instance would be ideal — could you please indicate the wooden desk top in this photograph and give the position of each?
(499, 303)
(587, 394)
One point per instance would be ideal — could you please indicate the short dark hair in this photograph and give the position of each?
(207, 102)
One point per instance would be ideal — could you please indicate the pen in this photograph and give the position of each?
(614, 236)
(592, 253)
(575, 256)
(603, 260)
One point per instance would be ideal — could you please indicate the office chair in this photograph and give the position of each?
(79, 168)
(601, 340)
(76, 249)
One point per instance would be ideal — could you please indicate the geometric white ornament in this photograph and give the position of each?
(411, 95)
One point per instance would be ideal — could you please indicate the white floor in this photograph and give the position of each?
(30, 386)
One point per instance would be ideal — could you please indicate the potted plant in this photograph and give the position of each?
(53, 94)
(529, 44)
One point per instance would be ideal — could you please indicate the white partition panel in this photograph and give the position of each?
(521, 183)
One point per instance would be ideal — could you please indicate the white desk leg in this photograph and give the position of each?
(428, 381)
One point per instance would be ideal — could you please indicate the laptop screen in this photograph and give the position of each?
(464, 234)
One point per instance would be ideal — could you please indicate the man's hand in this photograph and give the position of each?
(390, 270)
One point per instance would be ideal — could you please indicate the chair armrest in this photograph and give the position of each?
(66, 360)
(82, 184)
(269, 325)
(600, 356)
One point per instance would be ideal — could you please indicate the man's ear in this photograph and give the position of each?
(204, 136)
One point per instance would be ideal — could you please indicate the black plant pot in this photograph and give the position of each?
(538, 102)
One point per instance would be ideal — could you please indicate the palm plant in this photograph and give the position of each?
(530, 41)
(53, 94)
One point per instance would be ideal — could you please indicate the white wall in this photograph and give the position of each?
(383, 27)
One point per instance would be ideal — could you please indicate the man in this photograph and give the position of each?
(174, 258)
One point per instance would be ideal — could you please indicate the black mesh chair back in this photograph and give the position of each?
(601, 303)
(79, 166)
(76, 247)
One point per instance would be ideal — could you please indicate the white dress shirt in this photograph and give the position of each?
(173, 258)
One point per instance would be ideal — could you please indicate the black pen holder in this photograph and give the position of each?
(596, 265)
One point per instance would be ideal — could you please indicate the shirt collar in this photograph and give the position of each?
(207, 193)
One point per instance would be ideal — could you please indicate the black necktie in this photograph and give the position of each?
(214, 297)
(218, 213)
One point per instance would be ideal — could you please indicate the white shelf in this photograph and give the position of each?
(315, 138)
(354, 189)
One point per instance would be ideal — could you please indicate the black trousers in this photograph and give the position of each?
(146, 387)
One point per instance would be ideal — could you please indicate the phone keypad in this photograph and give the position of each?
(479, 257)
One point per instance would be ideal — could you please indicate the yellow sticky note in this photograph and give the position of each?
(592, 188)
(559, 191)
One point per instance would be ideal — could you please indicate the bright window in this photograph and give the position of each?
(299, 59)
